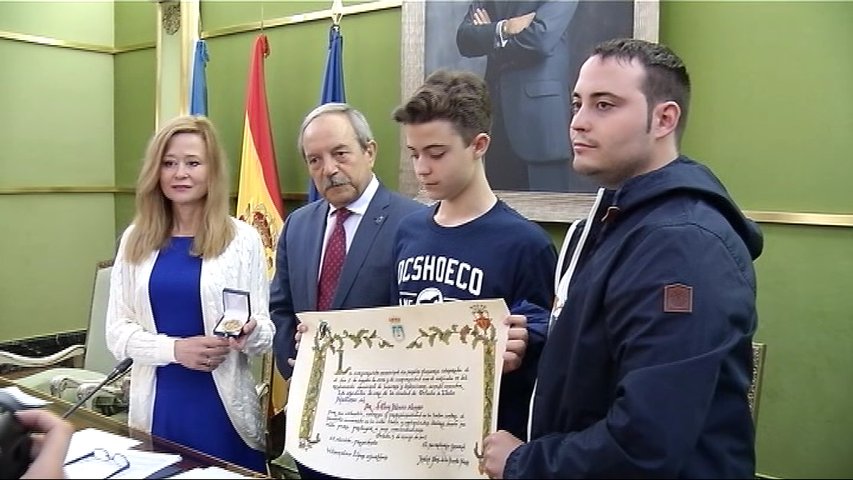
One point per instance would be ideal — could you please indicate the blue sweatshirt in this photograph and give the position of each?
(647, 368)
(497, 255)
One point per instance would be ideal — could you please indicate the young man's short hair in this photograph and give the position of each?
(459, 97)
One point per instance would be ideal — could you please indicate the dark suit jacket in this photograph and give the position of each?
(367, 271)
(529, 77)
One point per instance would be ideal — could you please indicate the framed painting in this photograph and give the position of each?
(536, 178)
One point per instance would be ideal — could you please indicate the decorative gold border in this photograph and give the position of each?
(64, 189)
(185, 58)
(72, 45)
(40, 190)
(135, 47)
(302, 18)
(413, 14)
(646, 20)
(802, 218)
(781, 218)
(158, 84)
(765, 476)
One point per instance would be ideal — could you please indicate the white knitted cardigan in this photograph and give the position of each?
(130, 330)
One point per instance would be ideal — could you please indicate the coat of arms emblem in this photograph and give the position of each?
(397, 329)
(481, 316)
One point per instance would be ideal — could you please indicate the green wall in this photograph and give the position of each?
(84, 22)
(135, 97)
(771, 114)
(135, 87)
(804, 425)
(135, 23)
(57, 119)
(771, 98)
(66, 117)
(294, 71)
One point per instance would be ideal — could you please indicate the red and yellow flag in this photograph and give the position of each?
(259, 197)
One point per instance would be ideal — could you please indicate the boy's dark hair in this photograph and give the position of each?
(666, 75)
(457, 96)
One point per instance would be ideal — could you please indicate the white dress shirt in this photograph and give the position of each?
(357, 208)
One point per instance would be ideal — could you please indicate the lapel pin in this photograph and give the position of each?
(379, 219)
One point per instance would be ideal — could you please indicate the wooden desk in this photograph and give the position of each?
(83, 418)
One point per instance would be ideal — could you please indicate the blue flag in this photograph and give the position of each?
(333, 78)
(333, 83)
(198, 81)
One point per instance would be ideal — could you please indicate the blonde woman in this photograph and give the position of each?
(173, 262)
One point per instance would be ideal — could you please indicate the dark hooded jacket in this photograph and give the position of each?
(645, 372)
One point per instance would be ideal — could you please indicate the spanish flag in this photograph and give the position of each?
(259, 197)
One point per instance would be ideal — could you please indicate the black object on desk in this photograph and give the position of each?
(15, 441)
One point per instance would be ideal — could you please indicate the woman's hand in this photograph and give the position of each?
(203, 353)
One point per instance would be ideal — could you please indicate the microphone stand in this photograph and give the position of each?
(117, 373)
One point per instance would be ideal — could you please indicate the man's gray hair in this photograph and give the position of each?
(356, 119)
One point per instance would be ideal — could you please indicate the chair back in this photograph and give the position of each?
(98, 358)
(759, 350)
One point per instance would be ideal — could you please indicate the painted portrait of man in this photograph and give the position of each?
(529, 53)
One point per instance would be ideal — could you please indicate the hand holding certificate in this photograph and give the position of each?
(402, 392)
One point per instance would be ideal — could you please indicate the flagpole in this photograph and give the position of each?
(332, 89)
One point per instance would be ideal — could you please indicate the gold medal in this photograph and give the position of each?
(232, 326)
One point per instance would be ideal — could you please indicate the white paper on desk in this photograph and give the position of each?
(397, 392)
(88, 439)
(23, 398)
(208, 472)
(144, 464)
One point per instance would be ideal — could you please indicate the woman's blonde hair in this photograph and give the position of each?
(154, 219)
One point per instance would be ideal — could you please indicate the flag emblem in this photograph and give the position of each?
(260, 218)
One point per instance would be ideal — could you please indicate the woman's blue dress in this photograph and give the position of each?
(187, 407)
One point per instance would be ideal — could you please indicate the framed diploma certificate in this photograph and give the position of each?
(397, 392)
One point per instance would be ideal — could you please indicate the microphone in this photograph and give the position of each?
(117, 372)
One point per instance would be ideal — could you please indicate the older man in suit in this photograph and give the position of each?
(528, 71)
(335, 253)
(320, 266)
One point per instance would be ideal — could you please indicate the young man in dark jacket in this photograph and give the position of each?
(647, 366)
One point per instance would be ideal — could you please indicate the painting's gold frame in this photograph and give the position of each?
(538, 206)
